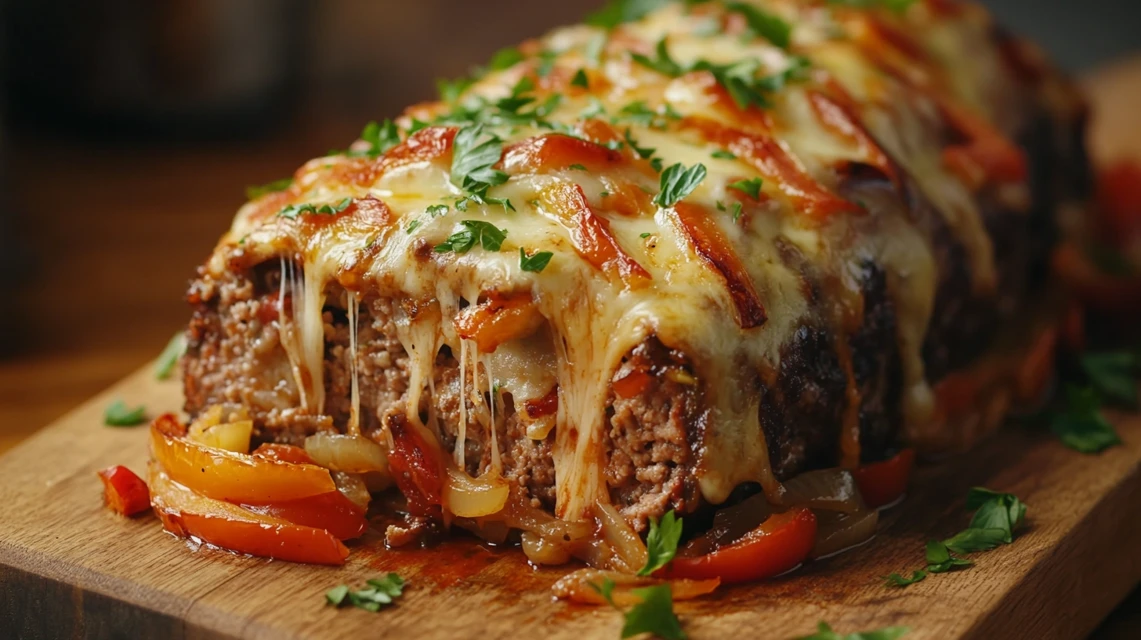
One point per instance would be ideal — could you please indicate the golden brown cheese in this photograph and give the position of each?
(703, 275)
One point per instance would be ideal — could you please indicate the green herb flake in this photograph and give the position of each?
(474, 232)
(721, 154)
(168, 359)
(617, 12)
(437, 210)
(118, 414)
(534, 263)
(825, 632)
(580, 79)
(474, 155)
(546, 63)
(940, 560)
(1112, 374)
(896, 580)
(576, 167)
(751, 188)
(594, 48)
(768, 26)
(380, 592)
(1081, 426)
(662, 62)
(646, 234)
(505, 59)
(255, 192)
(294, 210)
(677, 182)
(661, 542)
(380, 138)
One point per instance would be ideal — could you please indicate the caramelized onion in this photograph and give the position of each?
(729, 525)
(576, 587)
(475, 497)
(519, 514)
(826, 489)
(351, 454)
(352, 487)
(836, 531)
(542, 550)
(627, 544)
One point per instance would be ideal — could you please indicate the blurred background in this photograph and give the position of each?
(129, 129)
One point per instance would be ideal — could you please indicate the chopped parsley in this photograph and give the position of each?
(639, 112)
(546, 63)
(997, 516)
(576, 167)
(474, 232)
(451, 90)
(662, 62)
(379, 592)
(1081, 425)
(645, 234)
(412, 226)
(751, 188)
(118, 414)
(824, 632)
(721, 154)
(661, 542)
(677, 182)
(1112, 374)
(764, 24)
(255, 192)
(618, 11)
(594, 48)
(169, 356)
(294, 210)
(580, 80)
(505, 59)
(380, 138)
(643, 152)
(654, 614)
(534, 263)
(437, 210)
(474, 154)
(898, 6)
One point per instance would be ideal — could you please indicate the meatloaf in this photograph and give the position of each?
(648, 261)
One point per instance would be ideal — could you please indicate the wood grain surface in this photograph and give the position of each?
(70, 567)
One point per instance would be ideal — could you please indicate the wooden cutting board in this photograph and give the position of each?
(68, 567)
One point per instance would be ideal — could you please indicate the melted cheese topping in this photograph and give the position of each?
(624, 269)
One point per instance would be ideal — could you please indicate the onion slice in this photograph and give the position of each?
(627, 544)
(351, 454)
(825, 489)
(469, 497)
(837, 531)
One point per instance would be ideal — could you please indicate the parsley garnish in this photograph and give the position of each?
(768, 26)
(661, 542)
(662, 62)
(825, 632)
(576, 167)
(654, 614)
(594, 48)
(474, 155)
(534, 263)
(253, 193)
(619, 11)
(437, 210)
(169, 356)
(294, 210)
(118, 414)
(412, 226)
(898, 6)
(639, 113)
(677, 182)
(645, 234)
(379, 592)
(485, 234)
(380, 138)
(1112, 375)
(451, 90)
(723, 155)
(1081, 426)
(505, 59)
(580, 80)
(997, 516)
(751, 188)
(546, 63)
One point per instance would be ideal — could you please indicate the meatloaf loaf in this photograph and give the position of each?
(648, 261)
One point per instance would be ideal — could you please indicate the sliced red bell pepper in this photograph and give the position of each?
(187, 513)
(885, 482)
(780, 543)
(283, 453)
(331, 511)
(124, 492)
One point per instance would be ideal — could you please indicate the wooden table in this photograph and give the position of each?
(118, 240)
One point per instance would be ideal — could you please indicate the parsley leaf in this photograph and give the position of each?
(751, 188)
(253, 193)
(118, 414)
(594, 48)
(994, 510)
(474, 155)
(768, 26)
(662, 62)
(825, 632)
(437, 210)
(534, 263)
(896, 580)
(505, 59)
(580, 80)
(970, 540)
(1112, 374)
(661, 542)
(654, 614)
(723, 155)
(677, 182)
(475, 232)
(451, 90)
(898, 6)
(1081, 426)
(168, 359)
(380, 138)
(379, 592)
(940, 560)
(619, 11)
(294, 210)
(639, 112)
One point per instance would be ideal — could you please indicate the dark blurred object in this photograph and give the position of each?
(168, 69)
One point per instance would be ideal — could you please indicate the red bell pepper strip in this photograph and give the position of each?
(780, 543)
(885, 482)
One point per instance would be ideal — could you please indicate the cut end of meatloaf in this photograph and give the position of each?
(235, 358)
